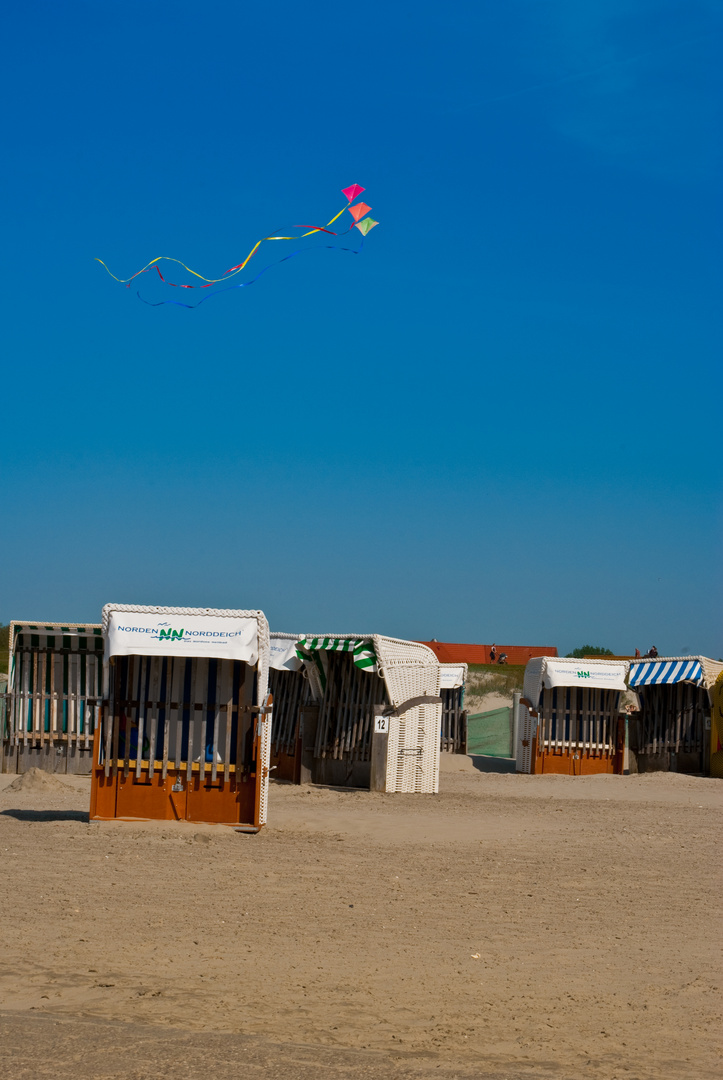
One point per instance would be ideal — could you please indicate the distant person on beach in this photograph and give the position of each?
(503, 658)
(653, 652)
(493, 654)
(637, 654)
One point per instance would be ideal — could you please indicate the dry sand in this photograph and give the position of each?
(511, 927)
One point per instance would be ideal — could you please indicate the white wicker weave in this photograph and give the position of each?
(265, 722)
(526, 732)
(411, 670)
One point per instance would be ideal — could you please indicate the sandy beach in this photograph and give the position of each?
(511, 927)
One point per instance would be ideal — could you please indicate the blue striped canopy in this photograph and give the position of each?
(666, 671)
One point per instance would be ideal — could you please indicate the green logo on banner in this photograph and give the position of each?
(170, 635)
(583, 674)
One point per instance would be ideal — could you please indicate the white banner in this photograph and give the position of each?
(283, 654)
(452, 676)
(609, 676)
(154, 634)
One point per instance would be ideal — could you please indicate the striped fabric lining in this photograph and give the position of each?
(666, 671)
(36, 635)
(313, 649)
(53, 637)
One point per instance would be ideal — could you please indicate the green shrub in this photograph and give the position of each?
(590, 650)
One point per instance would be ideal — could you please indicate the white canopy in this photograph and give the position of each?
(452, 676)
(549, 671)
(283, 652)
(153, 631)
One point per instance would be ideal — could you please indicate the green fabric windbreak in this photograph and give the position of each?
(490, 733)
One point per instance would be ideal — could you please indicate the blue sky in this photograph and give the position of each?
(497, 423)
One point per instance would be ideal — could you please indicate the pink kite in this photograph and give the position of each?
(352, 192)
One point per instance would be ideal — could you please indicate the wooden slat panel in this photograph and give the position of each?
(80, 660)
(127, 668)
(35, 727)
(243, 692)
(74, 696)
(157, 765)
(347, 702)
(107, 716)
(116, 727)
(56, 669)
(156, 663)
(202, 676)
(371, 698)
(142, 709)
(322, 730)
(41, 695)
(357, 719)
(228, 695)
(80, 663)
(180, 668)
(66, 712)
(216, 718)
(24, 684)
(91, 688)
(108, 732)
(341, 707)
(168, 666)
(191, 718)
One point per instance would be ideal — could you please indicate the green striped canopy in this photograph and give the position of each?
(313, 649)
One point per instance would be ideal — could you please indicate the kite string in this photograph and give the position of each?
(234, 270)
(177, 285)
(243, 284)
